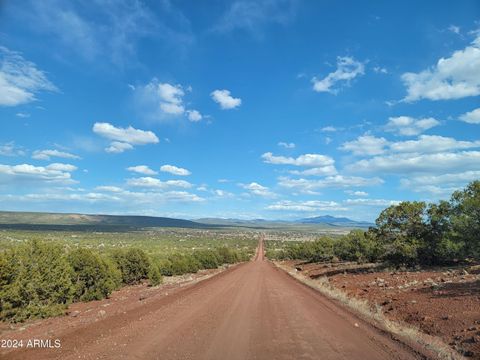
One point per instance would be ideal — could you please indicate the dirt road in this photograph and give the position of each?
(251, 311)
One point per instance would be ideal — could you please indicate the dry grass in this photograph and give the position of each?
(362, 307)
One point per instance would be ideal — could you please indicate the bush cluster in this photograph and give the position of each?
(410, 233)
(40, 279)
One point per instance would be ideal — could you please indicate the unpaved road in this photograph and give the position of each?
(251, 311)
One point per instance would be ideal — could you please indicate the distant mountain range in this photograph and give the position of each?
(335, 221)
(62, 221)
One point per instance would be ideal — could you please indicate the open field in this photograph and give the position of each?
(441, 302)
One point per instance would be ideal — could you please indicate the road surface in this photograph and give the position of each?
(251, 311)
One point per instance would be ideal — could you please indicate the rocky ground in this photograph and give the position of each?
(441, 302)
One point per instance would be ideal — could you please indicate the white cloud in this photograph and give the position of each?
(54, 173)
(10, 149)
(438, 163)
(194, 115)
(286, 145)
(22, 115)
(149, 182)
(175, 170)
(114, 189)
(257, 189)
(329, 129)
(356, 193)
(307, 160)
(370, 145)
(455, 29)
(306, 206)
(61, 167)
(454, 77)
(347, 70)
(471, 117)
(117, 147)
(366, 145)
(371, 202)
(409, 126)
(316, 171)
(142, 169)
(49, 153)
(336, 181)
(380, 70)
(124, 138)
(164, 101)
(20, 80)
(225, 100)
(170, 96)
(432, 144)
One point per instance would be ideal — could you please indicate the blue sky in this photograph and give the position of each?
(247, 109)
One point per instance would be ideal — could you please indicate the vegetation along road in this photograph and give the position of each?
(250, 311)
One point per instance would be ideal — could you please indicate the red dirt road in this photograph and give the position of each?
(251, 311)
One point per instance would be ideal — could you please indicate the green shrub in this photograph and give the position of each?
(164, 266)
(94, 278)
(358, 246)
(133, 263)
(208, 259)
(154, 275)
(227, 255)
(36, 282)
(183, 264)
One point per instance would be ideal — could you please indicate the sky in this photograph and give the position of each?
(275, 109)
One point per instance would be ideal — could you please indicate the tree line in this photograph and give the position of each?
(410, 233)
(40, 279)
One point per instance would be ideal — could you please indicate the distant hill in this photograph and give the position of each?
(334, 221)
(325, 221)
(39, 220)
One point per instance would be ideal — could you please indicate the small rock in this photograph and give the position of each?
(102, 313)
(74, 313)
(142, 297)
(413, 301)
(465, 272)
(356, 325)
(446, 317)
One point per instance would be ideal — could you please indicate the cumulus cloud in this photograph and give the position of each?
(306, 206)
(117, 147)
(371, 202)
(409, 126)
(438, 163)
(308, 160)
(454, 77)
(335, 181)
(365, 145)
(424, 144)
(142, 169)
(443, 184)
(49, 153)
(164, 101)
(347, 69)
(471, 117)
(53, 173)
(432, 144)
(10, 149)
(20, 79)
(356, 193)
(225, 100)
(194, 115)
(123, 138)
(175, 170)
(150, 182)
(286, 145)
(257, 189)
